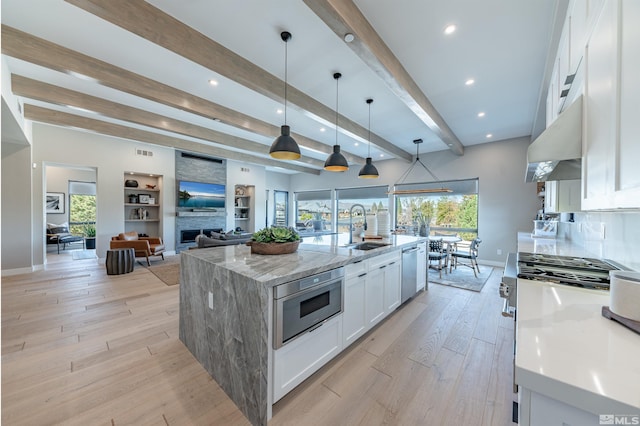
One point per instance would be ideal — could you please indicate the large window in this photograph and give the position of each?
(313, 209)
(281, 206)
(82, 206)
(373, 198)
(446, 213)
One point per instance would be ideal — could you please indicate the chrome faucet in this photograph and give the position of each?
(364, 215)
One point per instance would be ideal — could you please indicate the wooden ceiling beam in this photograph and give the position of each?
(145, 20)
(33, 89)
(58, 118)
(26, 47)
(343, 17)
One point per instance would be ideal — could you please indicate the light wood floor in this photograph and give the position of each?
(80, 347)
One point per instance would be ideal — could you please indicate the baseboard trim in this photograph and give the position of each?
(20, 271)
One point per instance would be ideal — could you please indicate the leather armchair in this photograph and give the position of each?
(143, 246)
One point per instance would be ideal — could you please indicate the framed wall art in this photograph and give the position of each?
(54, 202)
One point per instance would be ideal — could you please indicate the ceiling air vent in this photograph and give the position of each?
(144, 152)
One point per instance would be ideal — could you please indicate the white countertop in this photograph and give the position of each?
(567, 350)
(528, 244)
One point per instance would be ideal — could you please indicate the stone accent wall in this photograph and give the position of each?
(199, 168)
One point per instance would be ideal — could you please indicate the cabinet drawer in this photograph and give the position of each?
(296, 361)
(384, 259)
(355, 269)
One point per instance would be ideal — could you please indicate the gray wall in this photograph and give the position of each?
(57, 180)
(208, 170)
(506, 203)
(17, 235)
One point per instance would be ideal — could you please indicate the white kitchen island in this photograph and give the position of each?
(572, 364)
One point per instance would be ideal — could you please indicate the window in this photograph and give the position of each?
(447, 213)
(82, 206)
(313, 209)
(373, 198)
(281, 205)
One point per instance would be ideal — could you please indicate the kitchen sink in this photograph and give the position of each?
(369, 245)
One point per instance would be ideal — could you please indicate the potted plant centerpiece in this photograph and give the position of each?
(274, 240)
(90, 237)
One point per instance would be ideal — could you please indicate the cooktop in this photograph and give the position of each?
(568, 270)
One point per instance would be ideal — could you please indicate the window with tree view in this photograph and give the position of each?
(82, 207)
(452, 209)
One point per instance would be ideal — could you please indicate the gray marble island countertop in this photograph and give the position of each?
(226, 308)
(314, 255)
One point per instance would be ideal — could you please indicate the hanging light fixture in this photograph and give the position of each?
(336, 161)
(369, 171)
(400, 181)
(285, 147)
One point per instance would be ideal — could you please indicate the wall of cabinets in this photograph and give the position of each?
(600, 43)
(143, 204)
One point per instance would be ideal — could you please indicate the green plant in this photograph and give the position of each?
(276, 235)
(89, 231)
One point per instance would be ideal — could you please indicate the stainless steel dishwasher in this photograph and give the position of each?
(409, 273)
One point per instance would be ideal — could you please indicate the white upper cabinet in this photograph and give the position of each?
(610, 174)
(562, 196)
(627, 178)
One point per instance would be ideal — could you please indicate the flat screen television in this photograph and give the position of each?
(200, 195)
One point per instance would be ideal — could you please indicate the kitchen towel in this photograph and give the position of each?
(624, 290)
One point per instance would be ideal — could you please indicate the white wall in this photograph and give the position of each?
(239, 173)
(506, 203)
(110, 157)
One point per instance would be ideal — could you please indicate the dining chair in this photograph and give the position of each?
(470, 255)
(438, 252)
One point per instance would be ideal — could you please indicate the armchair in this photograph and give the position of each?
(143, 246)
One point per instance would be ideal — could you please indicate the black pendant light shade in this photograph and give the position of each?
(336, 161)
(369, 171)
(285, 147)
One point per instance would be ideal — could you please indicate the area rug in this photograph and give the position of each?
(168, 271)
(83, 254)
(462, 277)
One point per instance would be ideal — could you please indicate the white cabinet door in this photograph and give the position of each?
(562, 196)
(392, 287)
(374, 296)
(422, 267)
(627, 179)
(303, 356)
(601, 87)
(354, 321)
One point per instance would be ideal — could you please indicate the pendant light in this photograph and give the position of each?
(369, 171)
(285, 147)
(336, 161)
(400, 181)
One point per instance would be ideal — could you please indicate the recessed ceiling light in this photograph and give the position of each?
(279, 111)
(348, 37)
(489, 135)
(356, 144)
(481, 114)
(381, 155)
(322, 129)
(469, 82)
(450, 29)
(213, 82)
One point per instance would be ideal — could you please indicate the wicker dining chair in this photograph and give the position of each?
(438, 252)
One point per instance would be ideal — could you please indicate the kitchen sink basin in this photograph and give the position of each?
(369, 245)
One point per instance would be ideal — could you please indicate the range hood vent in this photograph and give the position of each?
(557, 153)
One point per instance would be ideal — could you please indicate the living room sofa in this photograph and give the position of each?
(219, 239)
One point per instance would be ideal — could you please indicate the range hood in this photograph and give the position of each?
(557, 153)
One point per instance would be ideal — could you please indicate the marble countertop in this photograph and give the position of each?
(560, 247)
(314, 255)
(567, 350)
